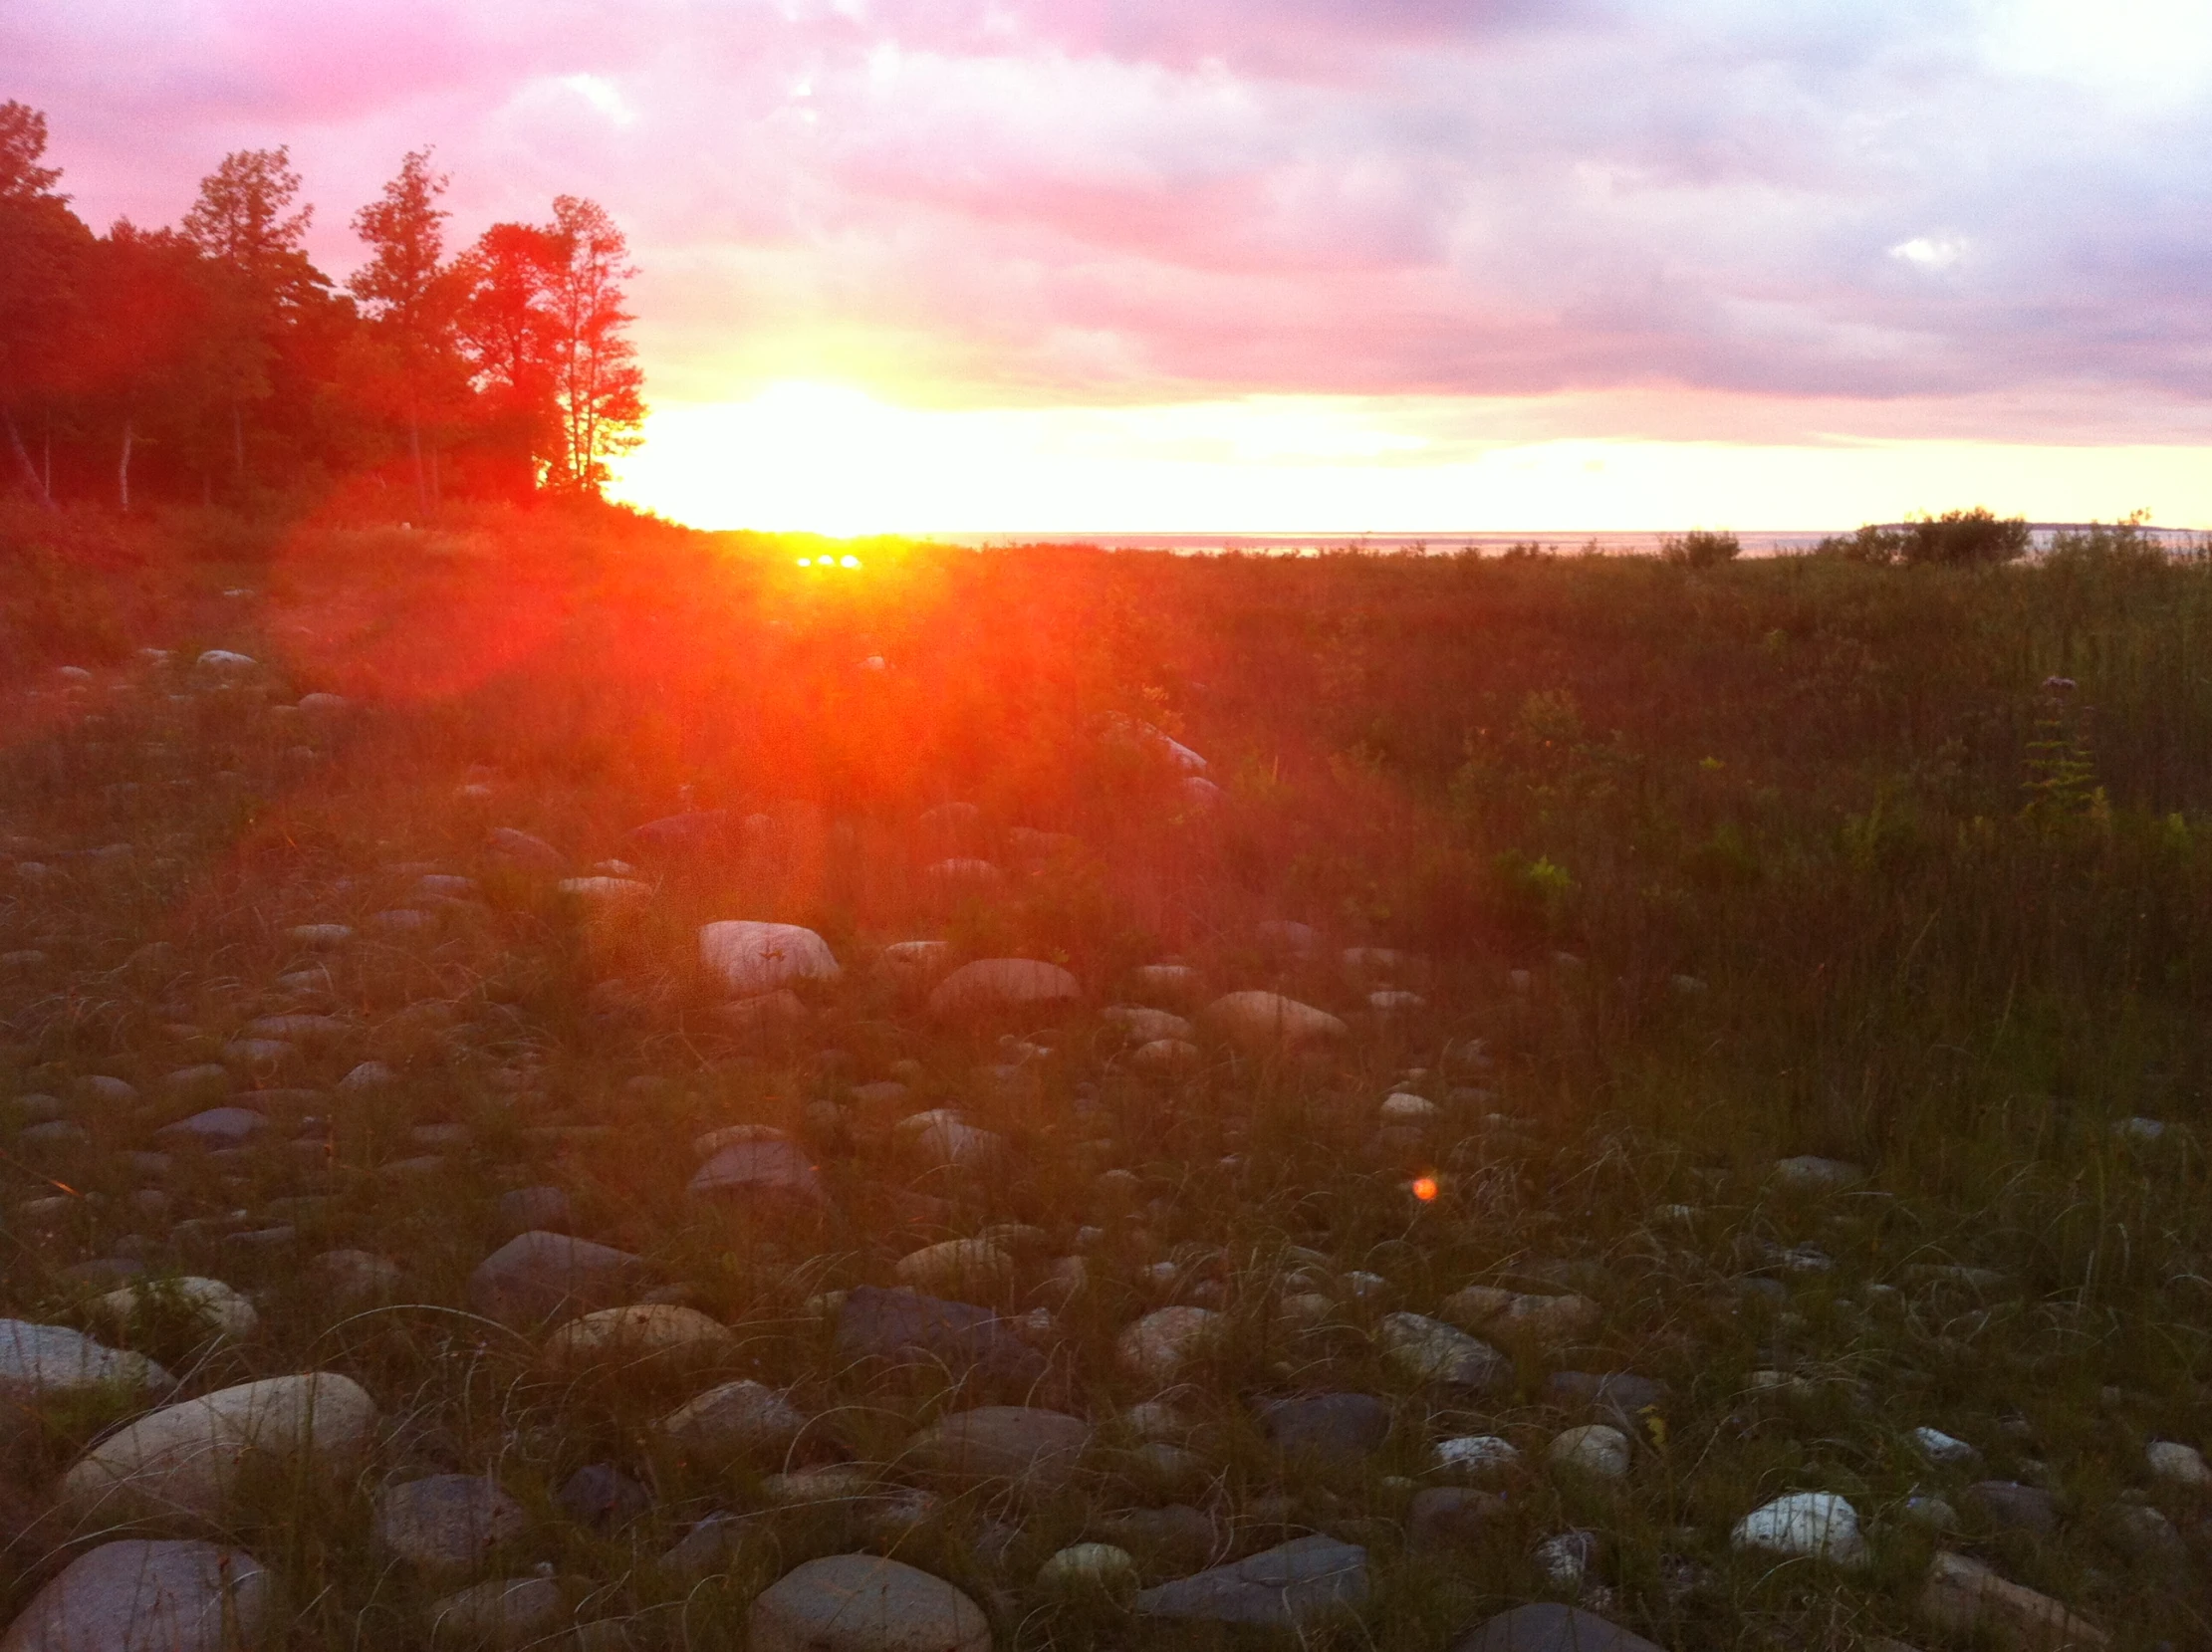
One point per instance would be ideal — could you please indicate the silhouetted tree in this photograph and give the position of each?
(506, 334)
(411, 297)
(42, 253)
(598, 389)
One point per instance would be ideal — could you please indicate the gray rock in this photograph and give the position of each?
(446, 1523)
(1002, 984)
(521, 848)
(207, 1081)
(545, 1209)
(1166, 1542)
(1566, 1558)
(1434, 1352)
(1037, 1449)
(1451, 1517)
(505, 1612)
(737, 1419)
(906, 1328)
(1286, 1587)
(1342, 1428)
(600, 1496)
(146, 1596)
(536, 1276)
(767, 1173)
(1550, 1627)
(2143, 1534)
(865, 1604)
(2011, 1506)
(41, 1362)
(1620, 1397)
(216, 1127)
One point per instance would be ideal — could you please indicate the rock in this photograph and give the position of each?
(1287, 937)
(736, 1420)
(1809, 1174)
(1529, 1322)
(1431, 1351)
(367, 1078)
(320, 937)
(1290, 1587)
(308, 1031)
(224, 661)
(965, 1270)
(209, 1302)
(1931, 1513)
(543, 1207)
(107, 1092)
(1083, 1568)
(602, 1497)
(1476, 1455)
(1166, 1542)
(1813, 1526)
(1595, 1449)
(1036, 1449)
(1629, 1400)
(216, 1127)
(138, 1595)
(697, 831)
(942, 1138)
(349, 1277)
(991, 987)
(446, 1523)
(750, 958)
(1344, 1428)
(1176, 984)
(505, 1612)
(905, 1327)
(1566, 1558)
(865, 1604)
(1159, 1345)
(187, 1456)
(914, 964)
(1546, 1626)
(52, 1362)
(1165, 1058)
(658, 1335)
(2011, 1506)
(520, 849)
(606, 895)
(765, 1016)
(1452, 1517)
(536, 1276)
(1940, 1449)
(765, 1175)
(207, 1081)
(1962, 1596)
(2145, 1534)
(1402, 1109)
(2179, 1466)
(1141, 1026)
(1268, 1023)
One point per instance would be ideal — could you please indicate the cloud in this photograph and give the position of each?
(1911, 206)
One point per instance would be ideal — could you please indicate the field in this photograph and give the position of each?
(1782, 983)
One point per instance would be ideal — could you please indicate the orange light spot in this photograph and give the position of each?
(1424, 1188)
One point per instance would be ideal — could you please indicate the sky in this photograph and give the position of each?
(1298, 266)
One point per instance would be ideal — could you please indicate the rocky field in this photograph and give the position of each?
(461, 1195)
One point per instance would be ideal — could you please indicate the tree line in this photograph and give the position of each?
(213, 361)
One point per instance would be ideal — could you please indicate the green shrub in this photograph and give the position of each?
(1700, 547)
(1957, 539)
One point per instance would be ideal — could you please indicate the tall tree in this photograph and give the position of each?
(243, 223)
(148, 289)
(598, 387)
(506, 335)
(410, 296)
(42, 252)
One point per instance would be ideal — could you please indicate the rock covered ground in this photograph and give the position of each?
(431, 1228)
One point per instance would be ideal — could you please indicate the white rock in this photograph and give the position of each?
(659, 1334)
(1142, 1025)
(2141, 1133)
(609, 892)
(1939, 1446)
(737, 1419)
(1477, 1454)
(213, 1303)
(188, 1457)
(1264, 1024)
(1165, 1058)
(1431, 1351)
(1083, 1566)
(754, 958)
(138, 1596)
(1160, 1344)
(1595, 1449)
(1809, 1174)
(1817, 1525)
(2178, 1465)
(40, 1362)
(226, 660)
(991, 984)
(1405, 1108)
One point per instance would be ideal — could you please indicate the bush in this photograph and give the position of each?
(1699, 549)
(1957, 539)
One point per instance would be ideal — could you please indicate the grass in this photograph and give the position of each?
(1721, 861)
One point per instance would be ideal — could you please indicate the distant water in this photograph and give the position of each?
(1771, 543)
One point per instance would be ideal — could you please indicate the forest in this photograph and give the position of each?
(212, 362)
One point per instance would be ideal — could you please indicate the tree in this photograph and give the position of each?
(148, 289)
(410, 296)
(507, 336)
(42, 251)
(598, 387)
(242, 224)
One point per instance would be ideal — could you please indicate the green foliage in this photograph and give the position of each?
(1700, 547)
(1957, 538)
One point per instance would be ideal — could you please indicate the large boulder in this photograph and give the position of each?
(536, 1276)
(138, 1596)
(446, 1523)
(215, 1308)
(865, 1604)
(1431, 1351)
(187, 1458)
(1962, 1596)
(750, 958)
(963, 1269)
(1268, 1023)
(43, 1362)
(654, 1335)
(1290, 1587)
(1002, 986)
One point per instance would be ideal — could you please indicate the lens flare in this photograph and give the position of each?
(1423, 1188)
